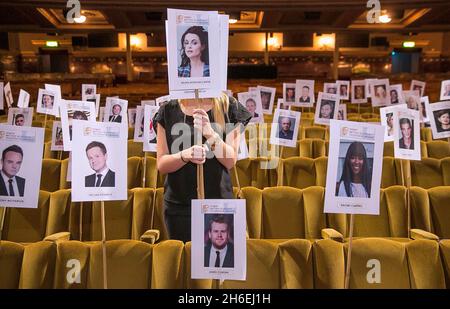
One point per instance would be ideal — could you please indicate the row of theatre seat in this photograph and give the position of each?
(296, 263)
(271, 213)
(297, 172)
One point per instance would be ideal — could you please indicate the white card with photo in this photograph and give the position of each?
(396, 94)
(424, 101)
(57, 137)
(56, 89)
(419, 86)
(439, 115)
(304, 93)
(359, 91)
(252, 101)
(369, 82)
(149, 141)
(412, 99)
(162, 100)
(326, 108)
(139, 124)
(69, 168)
(354, 168)
(387, 120)
(194, 39)
(445, 90)
(289, 93)
(2, 102)
(99, 167)
(342, 112)
(343, 88)
(267, 98)
(223, 48)
(406, 134)
(131, 117)
(148, 102)
(243, 149)
(24, 99)
(71, 110)
(281, 105)
(218, 232)
(20, 175)
(285, 127)
(96, 99)
(116, 111)
(379, 90)
(330, 88)
(101, 113)
(22, 117)
(88, 90)
(46, 102)
(8, 95)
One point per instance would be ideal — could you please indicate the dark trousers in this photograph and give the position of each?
(178, 221)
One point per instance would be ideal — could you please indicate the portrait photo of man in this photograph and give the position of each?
(265, 99)
(305, 98)
(407, 134)
(10, 183)
(285, 132)
(219, 249)
(115, 115)
(97, 156)
(360, 92)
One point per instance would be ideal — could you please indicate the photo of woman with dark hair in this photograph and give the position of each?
(194, 53)
(442, 118)
(356, 175)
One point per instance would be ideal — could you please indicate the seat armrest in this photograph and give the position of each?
(61, 236)
(332, 234)
(421, 234)
(150, 236)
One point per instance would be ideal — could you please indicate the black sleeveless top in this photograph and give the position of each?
(181, 186)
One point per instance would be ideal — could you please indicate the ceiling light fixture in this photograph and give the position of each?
(384, 19)
(80, 20)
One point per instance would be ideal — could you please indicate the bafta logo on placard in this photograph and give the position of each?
(205, 208)
(2, 134)
(87, 131)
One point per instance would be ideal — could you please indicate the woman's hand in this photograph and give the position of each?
(201, 122)
(195, 154)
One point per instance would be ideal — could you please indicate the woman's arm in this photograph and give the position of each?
(226, 152)
(169, 163)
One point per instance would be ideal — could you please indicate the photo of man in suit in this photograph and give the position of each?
(407, 139)
(10, 183)
(116, 110)
(286, 131)
(305, 95)
(219, 251)
(97, 156)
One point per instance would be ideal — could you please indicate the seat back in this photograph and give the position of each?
(426, 173)
(438, 149)
(50, 176)
(27, 224)
(299, 172)
(134, 177)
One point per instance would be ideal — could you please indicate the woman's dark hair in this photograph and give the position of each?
(442, 112)
(79, 115)
(203, 36)
(356, 149)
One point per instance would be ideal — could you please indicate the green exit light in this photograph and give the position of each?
(51, 43)
(409, 44)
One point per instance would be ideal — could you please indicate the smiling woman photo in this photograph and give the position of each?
(194, 53)
(356, 174)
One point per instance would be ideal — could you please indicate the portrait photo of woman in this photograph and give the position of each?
(442, 118)
(356, 177)
(194, 53)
